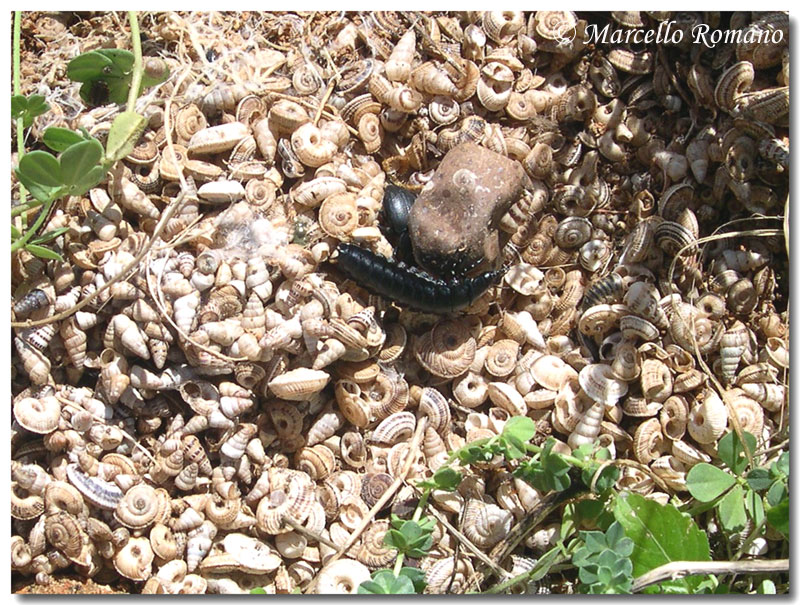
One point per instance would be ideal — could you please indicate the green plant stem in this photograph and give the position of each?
(527, 575)
(581, 464)
(23, 208)
(423, 502)
(136, 79)
(18, 91)
(45, 212)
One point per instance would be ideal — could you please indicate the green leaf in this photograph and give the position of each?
(40, 173)
(707, 482)
(394, 539)
(28, 108)
(707, 585)
(759, 479)
(732, 515)
(588, 574)
(100, 64)
(89, 66)
(778, 517)
(37, 104)
(49, 236)
(15, 234)
(447, 478)
(732, 453)
(512, 448)
(43, 252)
(19, 103)
(411, 531)
(780, 468)
(766, 587)
(660, 534)
(105, 73)
(60, 139)
(594, 512)
(78, 160)
(118, 90)
(776, 493)
(473, 453)
(595, 541)
(427, 524)
(95, 93)
(617, 541)
(584, 451)
(520, 428)
(41, 193)
(121, 60)
(417, 577)
(89, 180)
(607, 477)
(754, 505)
(36, 107)
(258, 590)
(42, 168)
(385, 582)
(123, 135)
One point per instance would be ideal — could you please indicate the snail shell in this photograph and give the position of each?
(447, 350)
(40, 415)
(310, 146)
(445, 576)
(64, 533)
(485, 524)
(502, 26)
(588, 427)
(343, 576)
(394, 428)
(398, 65)
(373, 551)
(551, 372)
(134, 560)
(291, 492)
(708, 418)
(599, 383)
(434, 405)
(36, 364)
(748, 411)
(648, 441)
(471, 390)
(674, 417)
(299, 384)
(501, 360)
(733, 343)
(573, 232)
(217, 139)
(771, 396)
(656, 380)
(318, 461)
(338, 215)
(138, 508)
(507, 397)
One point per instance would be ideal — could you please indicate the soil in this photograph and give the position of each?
(65, 585)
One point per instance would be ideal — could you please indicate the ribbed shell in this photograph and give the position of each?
(447, 350)
(291, 493)
(485, 524)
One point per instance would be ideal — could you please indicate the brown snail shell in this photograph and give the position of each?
(447, 350)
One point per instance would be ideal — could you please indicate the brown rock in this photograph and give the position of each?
(453, 224)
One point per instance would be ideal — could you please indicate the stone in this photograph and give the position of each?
(453, 225)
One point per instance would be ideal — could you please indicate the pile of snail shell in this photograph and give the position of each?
(232, 380)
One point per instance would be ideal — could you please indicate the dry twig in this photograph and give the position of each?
(680, 569)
